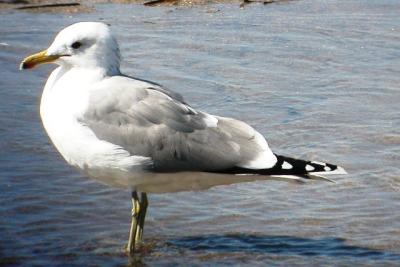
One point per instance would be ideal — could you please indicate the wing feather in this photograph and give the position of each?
(149, 122)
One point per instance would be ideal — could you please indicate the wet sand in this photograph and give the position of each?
(77, 6)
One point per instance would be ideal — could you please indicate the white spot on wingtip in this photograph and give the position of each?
(326, 168)
(286, 166)
(339, 170)
(309, 168)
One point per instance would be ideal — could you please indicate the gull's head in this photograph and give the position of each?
(82, 45)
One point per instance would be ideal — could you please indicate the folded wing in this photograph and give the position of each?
(147, 120)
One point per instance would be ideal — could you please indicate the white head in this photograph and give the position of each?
(81, 45)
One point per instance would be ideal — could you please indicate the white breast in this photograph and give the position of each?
(64, 101)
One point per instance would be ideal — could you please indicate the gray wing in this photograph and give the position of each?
(147, 120)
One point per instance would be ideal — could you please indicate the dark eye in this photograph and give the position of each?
(76, 45)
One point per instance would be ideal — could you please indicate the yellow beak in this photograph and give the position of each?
(37, 59)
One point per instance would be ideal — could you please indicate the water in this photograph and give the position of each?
(318, 78)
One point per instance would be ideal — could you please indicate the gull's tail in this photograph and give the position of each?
(293, 169)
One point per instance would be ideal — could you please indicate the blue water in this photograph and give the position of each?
(318, 78)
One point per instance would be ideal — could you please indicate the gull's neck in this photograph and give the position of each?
(80, 76)
(104, 71)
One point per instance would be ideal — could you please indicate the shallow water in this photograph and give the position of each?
(318, 79)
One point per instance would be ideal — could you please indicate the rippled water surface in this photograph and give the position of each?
(320, 79)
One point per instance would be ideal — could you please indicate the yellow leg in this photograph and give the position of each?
(139, 208)
(135, 214)
(142, 214)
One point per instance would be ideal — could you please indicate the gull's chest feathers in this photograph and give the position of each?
(64, 101)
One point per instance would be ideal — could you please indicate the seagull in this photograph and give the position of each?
(136, 134)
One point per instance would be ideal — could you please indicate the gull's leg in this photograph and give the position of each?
(134, 223)
(142, 214)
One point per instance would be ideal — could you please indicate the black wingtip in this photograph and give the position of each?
(286, 166)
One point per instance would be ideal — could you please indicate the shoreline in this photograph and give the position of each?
(84, 6)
